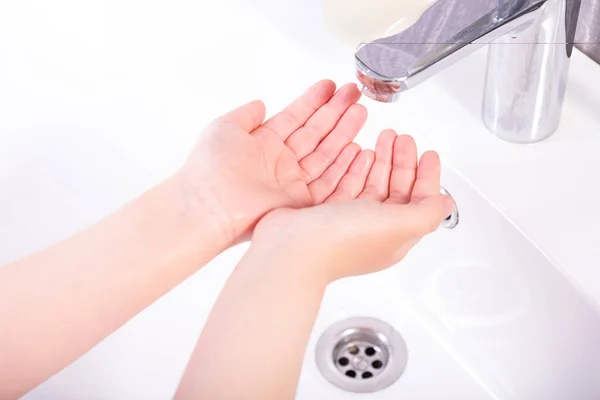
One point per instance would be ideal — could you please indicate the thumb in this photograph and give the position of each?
(415, 220)
(247, 117)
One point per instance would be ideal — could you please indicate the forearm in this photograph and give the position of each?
(57, 304)
(258, 331)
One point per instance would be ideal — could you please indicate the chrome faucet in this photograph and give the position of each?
(531, 43)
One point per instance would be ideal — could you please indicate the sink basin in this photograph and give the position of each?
(483, 312)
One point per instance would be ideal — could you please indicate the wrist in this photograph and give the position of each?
(200, 204)
(296, 236)
(192, 218)
(295, 260)
(290, 248)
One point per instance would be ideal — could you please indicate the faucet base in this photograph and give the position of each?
(510, 137)
(527, 77)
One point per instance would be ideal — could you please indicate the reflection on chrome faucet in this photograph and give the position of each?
(531, 43)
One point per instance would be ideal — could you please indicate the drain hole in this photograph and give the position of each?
(370, 351)
(356, 355)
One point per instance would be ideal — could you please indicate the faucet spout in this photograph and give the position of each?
(531, 42)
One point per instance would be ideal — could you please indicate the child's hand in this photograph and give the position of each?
(381, 209)
(244, 168)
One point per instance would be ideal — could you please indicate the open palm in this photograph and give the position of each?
(383, 206)
(295, 159)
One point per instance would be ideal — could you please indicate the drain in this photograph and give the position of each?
(452, 221)
(361, 355)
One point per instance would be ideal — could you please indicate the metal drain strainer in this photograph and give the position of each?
(361, 355)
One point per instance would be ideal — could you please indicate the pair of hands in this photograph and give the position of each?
(298, 179)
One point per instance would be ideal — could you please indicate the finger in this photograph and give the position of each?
(323, 187)
(404, 169)
(415, 220)
(247, 117)
(378, 182)
(296, 114)
(353, 182)
(351, 123)
(428, 177)
(306, 139)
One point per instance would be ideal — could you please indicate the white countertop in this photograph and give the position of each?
(101, 100)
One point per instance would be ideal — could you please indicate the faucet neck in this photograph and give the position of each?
(530, 46)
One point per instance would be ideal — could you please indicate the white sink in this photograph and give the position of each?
(483, 312)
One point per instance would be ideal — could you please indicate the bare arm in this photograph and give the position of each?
(265, 312)
(58, 303)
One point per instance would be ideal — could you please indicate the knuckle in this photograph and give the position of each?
(375, 192)
(292, 117)
(322, 159)
(399, 196)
